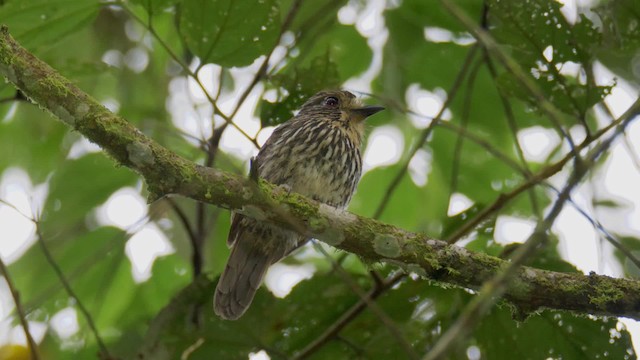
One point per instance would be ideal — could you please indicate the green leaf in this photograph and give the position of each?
(42, 137)
(556, 334)
(300, 315)
(39, 285)
(295, 86)
(632, 245)
(340, 43)
(155, 6)
(513, 25)
(228, 32)
(621, 37)
(42, 22)
(77, 187)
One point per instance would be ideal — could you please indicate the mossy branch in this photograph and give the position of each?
(168, 174)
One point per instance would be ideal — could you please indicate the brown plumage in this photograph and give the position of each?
(316, 154)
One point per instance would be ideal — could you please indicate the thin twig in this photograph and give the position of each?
(607, 235)
(543, 174)
(61, 277)
(635, 160)
(201, 220)
(184, 219)
(494, 288)
(372, 305)
(69, 290)
(187, 70)
(464, 121)
(33, 347)
(293, 10)
(513, 127)
(451, 94)
(347, 317)
(553, 114)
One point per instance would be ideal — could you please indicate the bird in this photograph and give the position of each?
(317, 153)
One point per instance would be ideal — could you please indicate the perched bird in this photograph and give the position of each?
(316, 154)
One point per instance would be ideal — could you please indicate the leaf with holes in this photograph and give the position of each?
(230, 33)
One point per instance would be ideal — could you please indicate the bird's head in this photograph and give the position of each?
(338, 106)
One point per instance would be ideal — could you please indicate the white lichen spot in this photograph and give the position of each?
(62, 114)
(332, 236)
(529, 273)
(416, 269)
(386, 245)
(82, 110)
(246, 193)
(254, 212)
(462, 252)
(9, 73)
(330, 212)
(140, 154)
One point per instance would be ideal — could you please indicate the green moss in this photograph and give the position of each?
(607, 293)
(318, 224)
(453, 272)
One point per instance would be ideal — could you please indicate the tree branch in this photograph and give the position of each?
(166, 173)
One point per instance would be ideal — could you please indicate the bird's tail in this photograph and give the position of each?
(240, 279)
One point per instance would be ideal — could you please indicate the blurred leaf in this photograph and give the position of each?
(607, 204)
(230, 33)
(631, 245)
(514, 23)
(310, 14)
(411, 207)
(300, 84)
(155, 6)
(78, 258)
(298, 316)
(423, 13)
(557, 334)
(42, 135)
(77, 187)
(41, 22)
(452, 223)
(621, 37)
(339, 43)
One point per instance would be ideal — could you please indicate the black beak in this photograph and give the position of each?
(367, 111)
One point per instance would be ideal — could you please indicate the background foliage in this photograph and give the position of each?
(297, 48)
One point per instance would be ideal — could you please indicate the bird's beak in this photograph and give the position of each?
(366, 111)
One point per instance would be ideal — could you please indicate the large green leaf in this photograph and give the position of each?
(230, 33)
(419, 311)
(514, 25)
(340, 43)
(77, 187)
(77, 257)
(43, 135)
(154, 7)
(297, 85)
(621, 37)
(42, 22)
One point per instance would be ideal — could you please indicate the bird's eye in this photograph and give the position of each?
(331, 101)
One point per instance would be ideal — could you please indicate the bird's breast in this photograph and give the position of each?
(324, 165)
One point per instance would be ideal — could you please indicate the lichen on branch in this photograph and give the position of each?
(169, 174)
